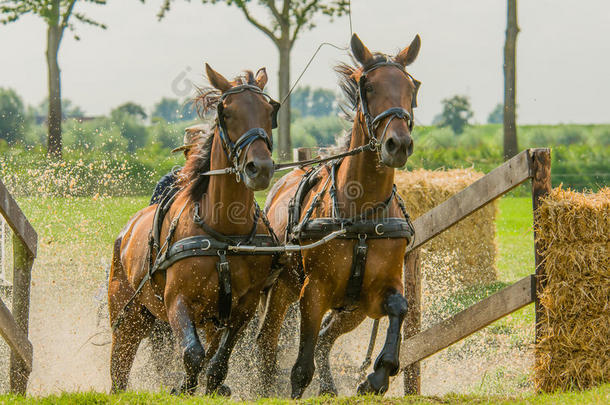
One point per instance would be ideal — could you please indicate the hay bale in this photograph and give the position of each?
(574, 346)
(464, 255)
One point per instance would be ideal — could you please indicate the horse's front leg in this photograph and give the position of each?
(313, 308)
(278, 300)
(387, 363)
(193, 354)
(219, 363)
(337, 324)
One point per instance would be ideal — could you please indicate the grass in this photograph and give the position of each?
(599, 395)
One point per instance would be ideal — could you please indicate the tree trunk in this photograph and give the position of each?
(510, 125)
(54, 147)
(285, 147)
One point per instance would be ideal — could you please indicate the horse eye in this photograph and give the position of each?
(368, 88)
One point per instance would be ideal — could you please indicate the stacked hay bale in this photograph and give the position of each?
(465, 254)
(574, 346)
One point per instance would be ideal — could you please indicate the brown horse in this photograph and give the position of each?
(211, 207)
(361, 187)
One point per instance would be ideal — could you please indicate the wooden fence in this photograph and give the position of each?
(534, 164)
(14, 326)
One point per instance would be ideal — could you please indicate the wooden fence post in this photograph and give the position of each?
(22, 273)
(412, 323)
(541, 187)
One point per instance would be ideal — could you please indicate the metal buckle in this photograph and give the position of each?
(206, 247)
(379, 229)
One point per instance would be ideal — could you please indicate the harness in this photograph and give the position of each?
(372, 123)
(362, 227)
(214, 243)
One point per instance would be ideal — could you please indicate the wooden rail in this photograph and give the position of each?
(469, 321)
(14, 326)
(534, 164)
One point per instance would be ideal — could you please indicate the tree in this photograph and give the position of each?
(132, 109)
(322, 102)
(456, 113)
(318, 102)
(286, 23)
(511, 147)
(12, 116)
(300, 99)
(58, 15)
(496, 116)
(68, 109)
(168, 108)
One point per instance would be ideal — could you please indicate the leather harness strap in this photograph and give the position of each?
(302, 227)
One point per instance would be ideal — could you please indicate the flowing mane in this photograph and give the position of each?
(199, 159)
(348, 82)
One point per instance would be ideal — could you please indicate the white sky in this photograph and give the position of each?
(563, 53)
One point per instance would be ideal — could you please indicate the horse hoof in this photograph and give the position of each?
(373, 385)
(223, 391)
(331, 391)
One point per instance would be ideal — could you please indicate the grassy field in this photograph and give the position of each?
(600, 395)
(91, 224)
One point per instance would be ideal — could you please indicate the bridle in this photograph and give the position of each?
(372, 123)
(235, 150)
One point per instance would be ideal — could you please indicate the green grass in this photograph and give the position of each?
(599, 395)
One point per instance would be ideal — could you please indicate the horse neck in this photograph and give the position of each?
(227, 205)
(362, 180)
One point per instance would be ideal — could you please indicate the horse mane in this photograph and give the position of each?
(199, 160)
(348, 83)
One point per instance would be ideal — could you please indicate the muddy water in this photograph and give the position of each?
(70, 334)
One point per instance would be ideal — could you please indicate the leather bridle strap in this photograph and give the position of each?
(372, 123)
(234, 151)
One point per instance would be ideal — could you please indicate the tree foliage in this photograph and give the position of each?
(456, 113)
(12, 116)
(496, 116)
(168, 108)
(132, 109)
(55, 12)
(316, 102)
(295, 15)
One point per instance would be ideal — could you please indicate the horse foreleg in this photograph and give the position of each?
(136, 323)
(387, 363)
(278, 301)
(312, 311)
(219, 364)
(193, 354)
(335, 325)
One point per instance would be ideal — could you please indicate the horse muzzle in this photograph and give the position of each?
(396, 149)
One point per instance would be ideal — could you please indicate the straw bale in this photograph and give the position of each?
(464, 255)
(574, 346)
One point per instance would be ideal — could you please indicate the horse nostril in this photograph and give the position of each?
(410, 147)
(251, 169)
(390, 145)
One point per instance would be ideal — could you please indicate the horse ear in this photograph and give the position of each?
(409, 54)
(216, 79)
(361, 52)
(261, 78)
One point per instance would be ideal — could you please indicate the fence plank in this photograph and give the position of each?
(412, 322)
(16, 339)
(17, 220)
(541, 187)
(496, 183)
(22, 275)
(468, 321)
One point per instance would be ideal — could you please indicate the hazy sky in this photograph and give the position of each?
(563, 53)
